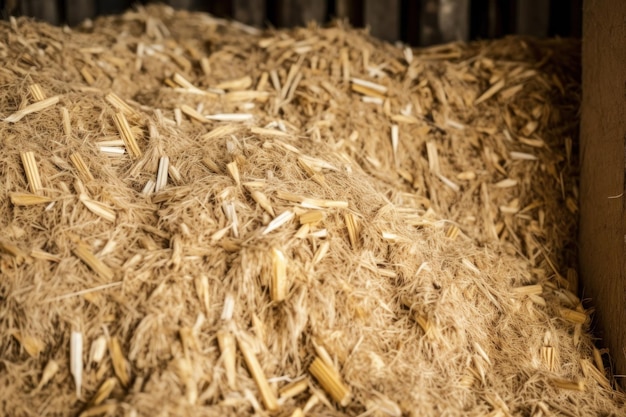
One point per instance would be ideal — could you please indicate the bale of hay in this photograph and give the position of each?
(200, 218)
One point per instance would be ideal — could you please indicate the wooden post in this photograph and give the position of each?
(454, 20)
(299, 12)
(180, 4)
(41, 9)
(602, 183)
(349, 9)
(77, 11)
(383, 17)
(533, 17)
(250, 12)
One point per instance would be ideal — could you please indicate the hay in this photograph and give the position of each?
(229, 222)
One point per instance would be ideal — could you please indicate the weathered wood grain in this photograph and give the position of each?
(602, 187)
(383, 18)
(250, 12)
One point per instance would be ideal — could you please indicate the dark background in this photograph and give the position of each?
(417, 22)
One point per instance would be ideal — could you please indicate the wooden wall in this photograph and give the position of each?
(417, 22)
(603, 172)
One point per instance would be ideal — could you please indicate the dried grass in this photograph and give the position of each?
(430, 269)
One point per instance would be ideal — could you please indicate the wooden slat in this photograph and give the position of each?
(181, 4)
(565, 18)
(41, 9)
(454, 20)
(602, 183)
(383, 17)
(221, 8)
(351, 10)
(479, 19)
(112, 6)
(77, 11)
(250, 12)
(532, 17)
(430, 33)
(300, 12)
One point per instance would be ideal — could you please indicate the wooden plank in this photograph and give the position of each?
(409, 22)
(77, 11)
(41, 9)
(602, 235)
(300, 12)
(112, 6)
(349, 9)
(429, 23)
(383, 18)
(479, 19)
(565, 18)
(181, 4)
(454, 20)
(8, 8)
(533, 17)
(250, 12)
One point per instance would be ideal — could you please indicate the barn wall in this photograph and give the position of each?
(603, 141)
(416, 22)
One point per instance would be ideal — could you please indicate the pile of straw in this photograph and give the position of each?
(199, 218)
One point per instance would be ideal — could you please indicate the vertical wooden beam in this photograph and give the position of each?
(180, 4)
(565, 17)
(505, 20)
(77, 11)
(479, 19)
(349, 9)
(602, 185)
(300, 12)
(429, 23)
(410, 21)
(454, 20)
(41, 9)
(112, 6)
(533, 17)
(383, 18)
(250, 12)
